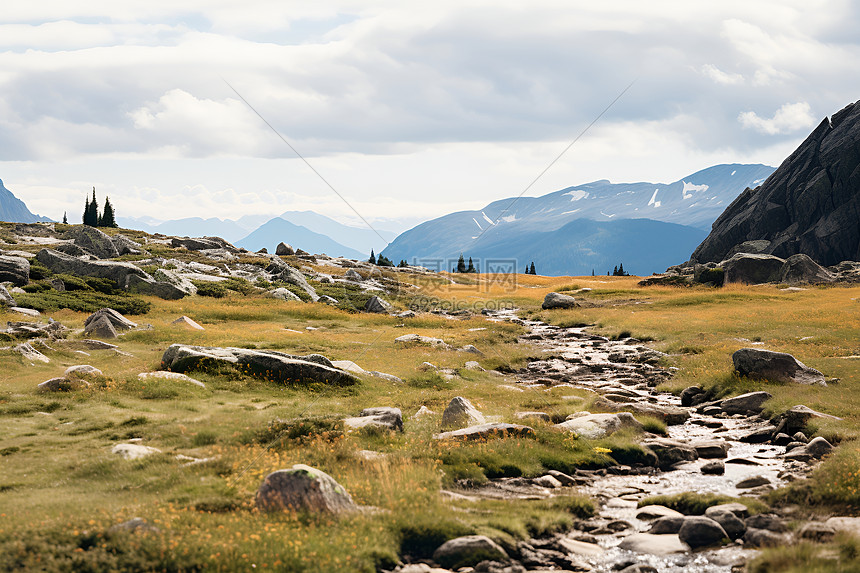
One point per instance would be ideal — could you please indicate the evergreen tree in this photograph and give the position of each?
(532, 269)
(592, 272)
(372, 259)
(107, 219)
(615, 271)
(471, 267)
(461, 264)
(65, 219)
(86, 217)
(91, 212)
(384, 261)
(402, 264)
(621, 272)
(527, 269)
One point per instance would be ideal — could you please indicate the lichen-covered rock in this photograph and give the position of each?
(752, 269)
(381, 417)
(303, 488)
(82, 372)
(558, 300)
(93, 241)
(594, 426)
(460, 413)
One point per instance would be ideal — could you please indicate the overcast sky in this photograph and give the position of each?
(409, 111)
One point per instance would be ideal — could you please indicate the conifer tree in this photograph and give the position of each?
(86, 217)
(471, 267)
(532, 269)
(91, 212)
(615, 271)
(461, 264)
(107, 219)
(372, 259)
(65, 219)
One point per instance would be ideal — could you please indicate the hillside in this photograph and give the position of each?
(278, 230)
(502, 227)
(13, 210)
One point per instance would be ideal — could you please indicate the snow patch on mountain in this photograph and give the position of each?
(653, 200)
(477, 223)
(577, 194)
(487, 219)
(692, 187)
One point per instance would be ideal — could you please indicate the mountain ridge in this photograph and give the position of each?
(13, 210)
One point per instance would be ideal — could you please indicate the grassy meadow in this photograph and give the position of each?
(61, 489)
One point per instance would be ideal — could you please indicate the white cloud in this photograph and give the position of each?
(717, 75)
(789, 118)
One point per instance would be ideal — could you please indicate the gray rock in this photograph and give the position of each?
(460, 413)
(418, 339)
(486, 432)
(377, 305)
(751, 482)
(134, 451)
(15, 270)
(266, 364)
(92, 241)
(730, 522)
(547, 481)
(738, 509)
(303, 488)
(282, 271)
(542, 416)
(752, 269)
(693, 396)
(670, 452)
(118, 321)
(134, 525)
(639, 568)
(325, 299)
(162, 289)
(382, 417)
(81, 372)
(794, 420)
(670, 415)
(284, 249)
(468, 551)
(199, 244)
(817, 531)
(716, 468)
(700, 531)
(182, 284)
(593, 426)
(353, 275)
(775, 366)
(766, 521)
(30, 354)
(650, 512)
(62, 385)
(763, 538)
(558, 300)
(801, 269)
(101, 328)
(125, 246)
(284, 294)
(667, 525)
(746, 404)
(6, 299)
(562, 477)
(714, 449)
(809, 205)
(119, 272)
(666, 544)
(818, 447)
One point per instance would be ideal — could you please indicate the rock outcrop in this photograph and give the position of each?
(15, 270)
(775, 366)
(809, 205)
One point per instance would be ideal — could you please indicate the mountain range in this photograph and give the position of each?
(575, 230)
(13, 209)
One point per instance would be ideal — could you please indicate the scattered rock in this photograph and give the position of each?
(423, 412)
(119, 272)
(668, 524)
(473, 365)
(15, 270)
(700, 531)
(185, 322)
(730, 522)
(766, 521)
(716, 468)
(670, 452)
(32, 312)
(283, 249)
(6, 299)
(650, 544)
(752, 268)
(542, 416)
(817, 531)
(31, 354)
(558, 300)
(134, 451)
(670, 415)
(693, 396)
(460, 413)
(283, 294)
(749, 403)
(801, 268)
(712, 449)
(593, 426)
(763, 538)
(303, 488)
(738, 509)
(382, 417)
(795, 419)
(418, 339)
(118, 321)
(164, 375)
(751, 482)
(81, 372)
(125, 246)
(133, 525)
(547, 481)
(101, 327)
(774, 366)
(353, 275)
(93, 241)
(62, 385)
(51, 330)
(468, 551)
(651, 512)
(486, 432)
(267, 364)
(377, 305)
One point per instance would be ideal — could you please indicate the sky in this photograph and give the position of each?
(406, 111)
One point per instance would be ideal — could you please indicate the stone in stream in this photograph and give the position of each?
(547, 481)
(759, 436)
(668, 524)
(817, 531)
(817, 448)
(468, 551)
(751, 482)
(763, 538)
(775, 366)
(593, 426)
(562, 477)
(303, 488)
(693, 396)
(731, 523)
(699, 531)
(739, 509)
(767, 521)
(670, 452)
(460, 413)
(715, 449)
(648, 543)
(639, 568)
(716, 468)
(649, 512)
(749, 403)
(668, 414)
(558, 300)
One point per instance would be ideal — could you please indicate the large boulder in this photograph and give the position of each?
(162, 289)
(303, 488)
(93, 241)
(284, 272)
(460, 413)
(118, 321)
(119, 272)
(15, 270)
(752, 269)
(700, 531)
(468, 551)
(809, 205)
(283, 294)
(380, 417)
(747, 404)
(558, 300)
(126, 246)
(377, 305)
(100, 327)
(198, 243)
(283, 249)
(775, 366)
(670, 452)
(266, 364)
(594, 426)
(180, 283)
(797, 417)
(801, 268)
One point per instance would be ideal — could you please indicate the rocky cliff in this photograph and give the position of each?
(810, 205)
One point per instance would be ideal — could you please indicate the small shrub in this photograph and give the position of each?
(210, 289)
(279, 432)
(83, 301)
(430, 379)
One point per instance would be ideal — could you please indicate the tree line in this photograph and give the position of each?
(92, 217)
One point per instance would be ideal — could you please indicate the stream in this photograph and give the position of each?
(626, 371)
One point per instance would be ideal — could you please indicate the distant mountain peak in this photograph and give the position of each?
(13, 210)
